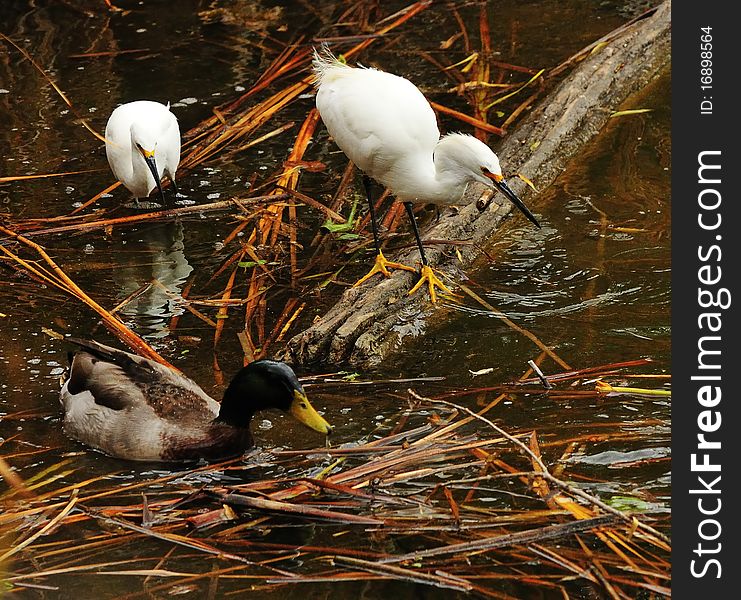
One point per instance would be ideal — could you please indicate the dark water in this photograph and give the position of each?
(595, 294)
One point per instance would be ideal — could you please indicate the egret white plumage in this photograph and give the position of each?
(142, 145)
(386, 126)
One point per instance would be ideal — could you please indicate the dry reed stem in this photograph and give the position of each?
(46, 175)
(148, 217)
(61, 94)
(476, 122)
(551, 479)
(532, 337)
(49, 526)
(113, 323)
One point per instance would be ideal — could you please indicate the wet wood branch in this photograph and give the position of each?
(362, 328)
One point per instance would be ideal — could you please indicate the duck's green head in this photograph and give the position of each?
(267, 384)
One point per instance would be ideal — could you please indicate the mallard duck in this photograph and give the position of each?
(134, 408)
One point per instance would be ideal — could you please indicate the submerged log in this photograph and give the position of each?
(363, 327)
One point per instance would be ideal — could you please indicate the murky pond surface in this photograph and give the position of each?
(593, 283)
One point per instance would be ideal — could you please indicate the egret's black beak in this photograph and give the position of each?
(149, 159)
(498, 181)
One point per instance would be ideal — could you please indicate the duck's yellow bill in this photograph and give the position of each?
(304, 412)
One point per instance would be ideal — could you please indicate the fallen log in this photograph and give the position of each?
(362, 328)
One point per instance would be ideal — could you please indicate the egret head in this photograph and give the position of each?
(469, 155)
(144, 142)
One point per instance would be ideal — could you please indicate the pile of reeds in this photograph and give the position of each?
(446, 498)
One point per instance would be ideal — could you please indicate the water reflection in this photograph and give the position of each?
(152, 280)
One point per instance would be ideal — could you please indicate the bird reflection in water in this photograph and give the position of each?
(153, 278)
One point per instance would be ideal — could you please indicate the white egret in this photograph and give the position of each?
(384, 124)
(142, 144)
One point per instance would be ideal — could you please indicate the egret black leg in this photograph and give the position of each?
(368, 185)
(381, 265)
(410, 212)
(427, 275)
(174, 186)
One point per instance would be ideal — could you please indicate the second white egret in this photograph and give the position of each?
(386, 126)
(142, 145)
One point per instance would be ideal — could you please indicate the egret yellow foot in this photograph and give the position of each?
(382, 266)
(432, 282)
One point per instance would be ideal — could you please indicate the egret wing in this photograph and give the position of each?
(378, 119)
(170, 146)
